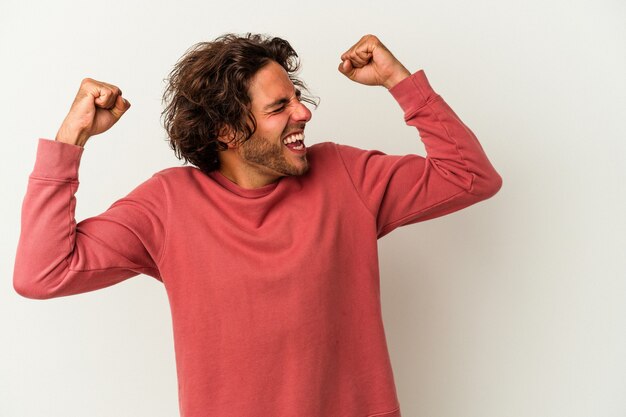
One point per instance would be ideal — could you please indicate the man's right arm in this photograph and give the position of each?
(55, 255)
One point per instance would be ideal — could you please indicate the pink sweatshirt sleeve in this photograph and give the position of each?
(57, 257)
(401, 190)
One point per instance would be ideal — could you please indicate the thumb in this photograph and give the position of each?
(121, 105)
(346, 68)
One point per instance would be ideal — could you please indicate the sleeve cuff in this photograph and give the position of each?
(413, 92)
(57, 160)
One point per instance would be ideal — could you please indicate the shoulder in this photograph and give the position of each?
(323, 154)
(321, 148)
(161, 184)
(331, 150)
(334, 160)
(342, 153)
(175, 174)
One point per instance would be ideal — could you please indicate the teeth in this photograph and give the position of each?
(293, 138)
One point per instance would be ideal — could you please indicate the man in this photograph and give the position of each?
(267, 248)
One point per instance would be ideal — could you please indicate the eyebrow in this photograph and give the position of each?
(282, 100)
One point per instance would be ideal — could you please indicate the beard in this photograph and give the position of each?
(266, 153)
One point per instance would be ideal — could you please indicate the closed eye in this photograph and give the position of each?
(298, 97)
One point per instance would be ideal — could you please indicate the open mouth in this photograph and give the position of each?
(295, 142)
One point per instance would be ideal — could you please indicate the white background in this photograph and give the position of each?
(512, 307)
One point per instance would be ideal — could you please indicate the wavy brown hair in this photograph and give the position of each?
(207, 91)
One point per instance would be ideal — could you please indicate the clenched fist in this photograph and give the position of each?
(369, 62)
(97, 107)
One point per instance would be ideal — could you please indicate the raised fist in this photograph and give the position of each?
(369, 62)
(97, 107)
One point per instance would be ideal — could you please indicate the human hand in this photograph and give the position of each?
(97, 107)
(369, 62)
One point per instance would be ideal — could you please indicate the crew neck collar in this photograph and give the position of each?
(240, 191)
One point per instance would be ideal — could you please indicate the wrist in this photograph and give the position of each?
(396, 78)
(69, 137)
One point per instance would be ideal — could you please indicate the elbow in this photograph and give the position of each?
(32, 280)
(487, 186)
(29, 284)
(495, 183)
(28, 290)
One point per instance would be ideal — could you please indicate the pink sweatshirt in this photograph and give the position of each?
(274, 292)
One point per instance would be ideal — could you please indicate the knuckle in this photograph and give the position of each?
(374, 39)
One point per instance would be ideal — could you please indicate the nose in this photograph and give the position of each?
(301, 113)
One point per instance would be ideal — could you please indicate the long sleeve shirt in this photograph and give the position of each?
(274, 292)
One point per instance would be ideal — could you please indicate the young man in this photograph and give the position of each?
(267, 248)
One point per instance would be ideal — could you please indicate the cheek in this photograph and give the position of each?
(277, 124)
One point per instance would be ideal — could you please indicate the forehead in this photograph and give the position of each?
(269, 84)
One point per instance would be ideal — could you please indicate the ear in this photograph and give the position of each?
(227, 136)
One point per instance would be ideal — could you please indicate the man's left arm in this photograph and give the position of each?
(401, 190)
